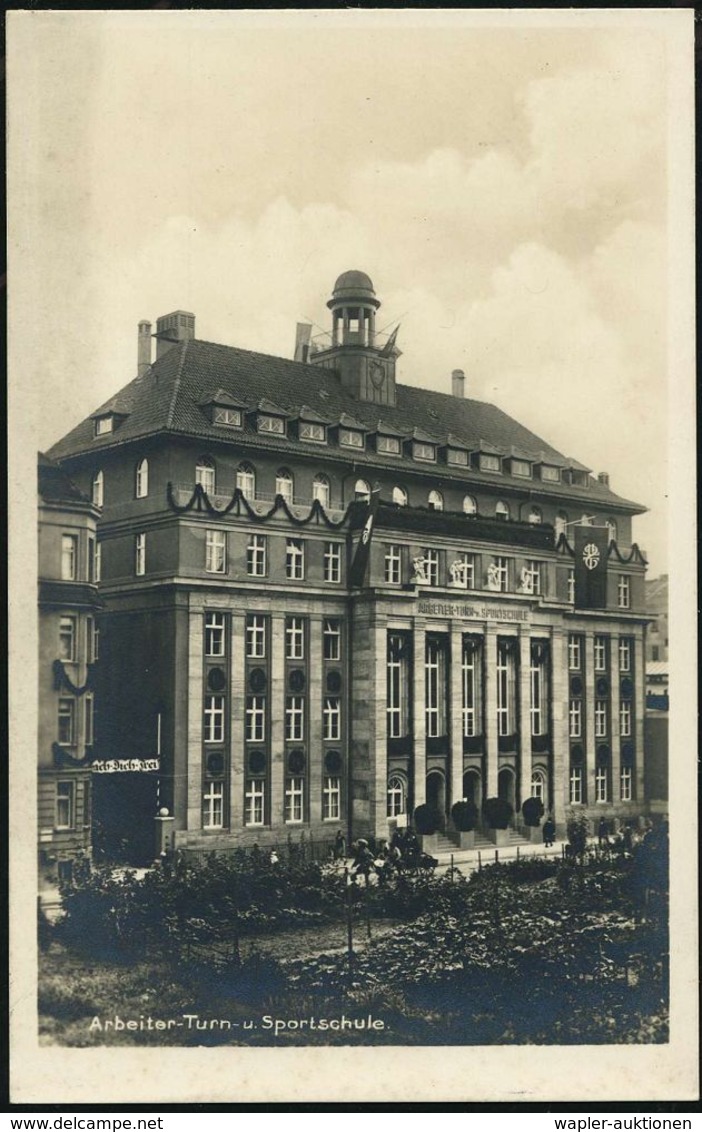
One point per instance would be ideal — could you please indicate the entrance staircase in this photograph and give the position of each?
(447, 844)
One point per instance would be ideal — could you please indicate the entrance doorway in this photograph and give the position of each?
(473, 788)
(436, 793)
(506, 786)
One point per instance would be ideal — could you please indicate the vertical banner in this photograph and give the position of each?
(591, 547)
(359, 563)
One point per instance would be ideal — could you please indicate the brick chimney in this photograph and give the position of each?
(144, 348)
(179, 326)
(458, 383)
(603, 477)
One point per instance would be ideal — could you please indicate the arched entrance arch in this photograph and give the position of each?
(506, 783)
(473, 787)
(436, 793)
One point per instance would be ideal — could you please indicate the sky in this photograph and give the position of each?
(507, 188)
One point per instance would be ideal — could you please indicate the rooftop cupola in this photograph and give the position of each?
(353, 305)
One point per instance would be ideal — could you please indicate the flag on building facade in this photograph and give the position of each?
(591, 548)
(359, 562)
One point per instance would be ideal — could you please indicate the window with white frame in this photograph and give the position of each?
(140, 554)
(284, 484)
(498, 574)
(625, 654)
(538, 785)
(316, 433)
(531, 577)
(625, 719)
(141, 485)
(255, 801)
(397, 686)
(624, 591)
(436, 501)
(256, 556)
(489, 463)
(295, 718)
(470, 506)
(600, 654)
(321, 490)
(332, 562)
(457, 456)
(351, 438)
(89, 721)
(246, 480)
(92, 640)
(576, 785)
(67, 639)
(550, 474)
(463, 570)
(66, 722)
(295, 559)
(213, 731)
(435, 687)
(521, 468)
(601, 782)
(294, 799)
(399, 496)
(422, 451)
(205, 474)
(103, 425)
(294, 638)
(213, 806)
(505, 672)
(97, 565)
(215, 552)
(65, 805)
(69, 558)
(600, 719)
(625, 784)
(362, 491)
(90, 571)
(98, 489)
(214, 634)
(571, 587)
(388, 445)
(397, 796)
(538, 678)
(471, 681)
(575, 719)
(255, 721)
(331, 719)
(574, 652)
(255, 636)
(501, 510)
(331, 638)
(431, 566)
(393, 564)
(231, 418)
(267, 423)
(331, 798)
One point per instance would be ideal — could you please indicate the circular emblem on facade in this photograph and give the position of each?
(591, 555)
(257, 679)
(257, 762)
(377, 373)
(334, 681)
(216, 679)
(332, 762)
(296, 680)
(215, 763)
(296, 761)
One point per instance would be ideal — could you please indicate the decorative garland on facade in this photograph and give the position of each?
(613, 550)
(200, 502)
(63, 680)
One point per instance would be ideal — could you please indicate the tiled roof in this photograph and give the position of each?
(169, 395)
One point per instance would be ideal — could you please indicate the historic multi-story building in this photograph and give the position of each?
(282, 683)
(68, 648)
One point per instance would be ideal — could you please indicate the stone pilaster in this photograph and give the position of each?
(637, 725)
(419, 723)
(195, 715)
(456, 717)
(524, 713)
(237, 717)
(379, 728)
(615, 736)
(277, 718)
(315, 724)
(490, 721)
(560, 740)
(589, 679)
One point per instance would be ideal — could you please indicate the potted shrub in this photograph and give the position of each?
(427, 822)
(464, 815)
(498, 812)
(532, 812)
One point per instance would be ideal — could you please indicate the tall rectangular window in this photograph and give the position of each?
(531, 577)
(331, 798)
(214, 719)
(294, 638)
(69, 557)
(97, 571)
(431, 565)
(498, 574)
(215, 552)
(332, 562)
(397, 686)
(625, 784)
(91, 640)
(332, 639)
(600, 719)
(576, 785)
(89, 735)
(140, 555)
(573, 652)
(505, 673)
(65, 805)
(256, 556)
(214, 634)
(213, 806)
(471, 671)
(462, 571)
(575, 719)
(255, 728)
(295, 718)
(67, 638)
(601, 783)
(538, 675)
(294, 799)
(600, 654)
(295, 559)
(624, 591)
(435, 688)
(331, 718)
(66, 722)
(393, 568)
(255, 636)
(571, 587)
(625, 719)
(255, 801)
(90, 563)
(625, 654)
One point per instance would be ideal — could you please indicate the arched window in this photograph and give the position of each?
(436, 501)
(470, 507)
(205, 474)
(538, 785)
(397, 796)
(246, 480)
(561, 524)
(399, 496)
(321, 490)
(501, 510)
(98, 493)
(535, 515)
(611, 530)
(142, 479)
(362, 490)
(284, 484)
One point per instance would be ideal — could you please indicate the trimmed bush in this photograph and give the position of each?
(497, 812)
(427, 819)
(465, 816)
(532, 811)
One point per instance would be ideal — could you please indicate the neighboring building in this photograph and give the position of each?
(276, 697)
(657, 609)
(657, 695)
(68, 636)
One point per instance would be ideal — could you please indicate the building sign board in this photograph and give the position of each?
(473, 612)
(123, 766)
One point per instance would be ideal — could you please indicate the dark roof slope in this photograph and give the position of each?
(169, 396)
(55, 486)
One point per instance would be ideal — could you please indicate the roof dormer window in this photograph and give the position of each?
(550, 473)
(388, 445)
(457, 456)
(521, 468)
(230, 418)
(423, 451)
(489, 463)
(266, 423)
(104, 425)
(351, 438)
(315, 433)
